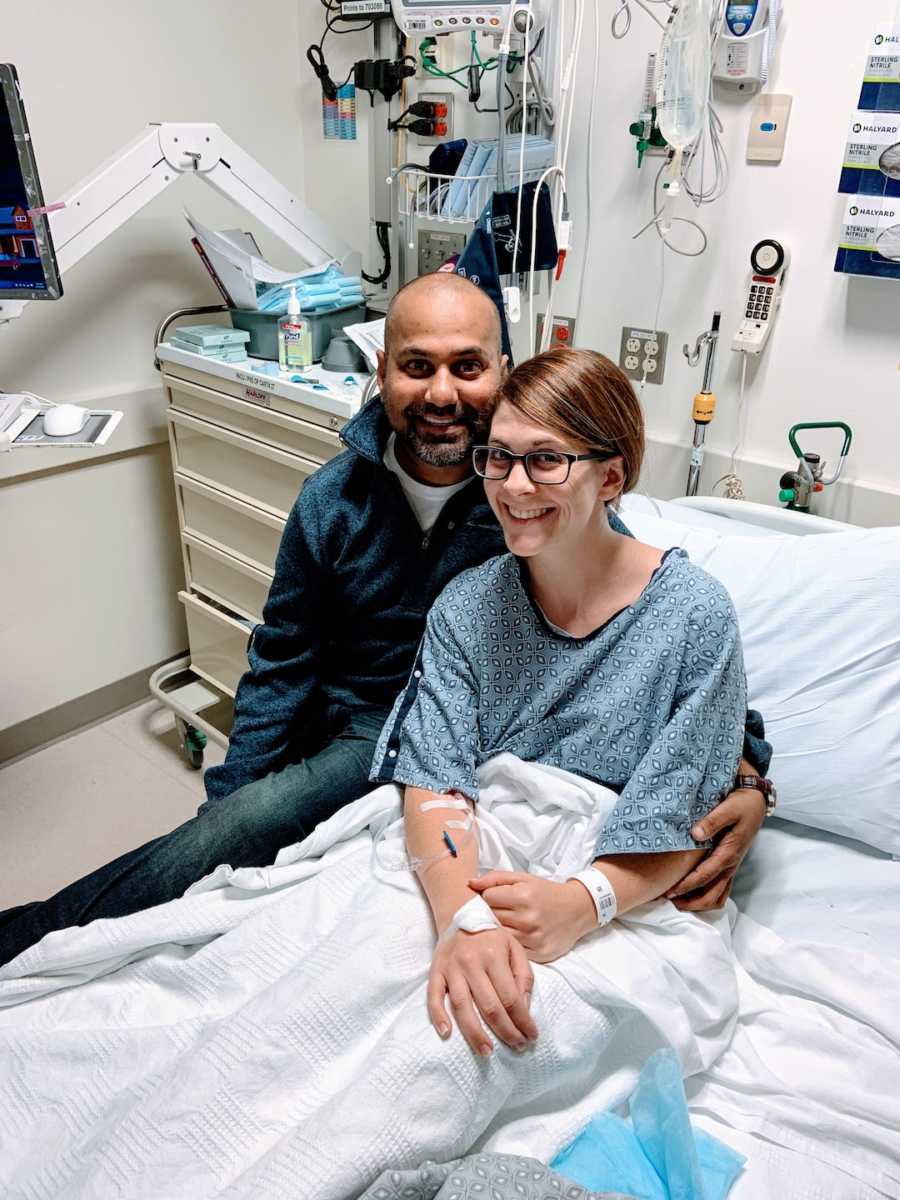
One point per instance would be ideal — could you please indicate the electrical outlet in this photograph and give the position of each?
(643, 352)
(563, 331)
(438, 98)
(436, 246)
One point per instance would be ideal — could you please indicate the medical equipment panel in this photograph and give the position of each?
(769, 262)
(238, 465)
(28, 268)
(456, 16)
(744, 45)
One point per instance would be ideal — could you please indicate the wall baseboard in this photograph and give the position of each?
(39, 731)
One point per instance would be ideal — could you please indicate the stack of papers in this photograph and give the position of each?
(235, 259)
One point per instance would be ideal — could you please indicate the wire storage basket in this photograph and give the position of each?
(456, 199)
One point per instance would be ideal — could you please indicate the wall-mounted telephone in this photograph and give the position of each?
(769, 262)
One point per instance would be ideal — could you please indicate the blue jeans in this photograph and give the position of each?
(247, 828)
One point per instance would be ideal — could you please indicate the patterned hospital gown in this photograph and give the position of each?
(652, 704)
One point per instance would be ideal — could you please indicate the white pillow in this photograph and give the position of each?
(820, 624)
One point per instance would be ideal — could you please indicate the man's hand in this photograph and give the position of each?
(546, 918)
(733, 824)
(484, 973)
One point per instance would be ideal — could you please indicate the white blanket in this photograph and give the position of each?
(267, 1034)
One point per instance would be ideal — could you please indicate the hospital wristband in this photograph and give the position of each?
(475, 916)
(601, 892)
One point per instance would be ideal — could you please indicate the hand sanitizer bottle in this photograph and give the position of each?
(294, 338)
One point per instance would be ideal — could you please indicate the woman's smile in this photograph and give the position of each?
(526, 516)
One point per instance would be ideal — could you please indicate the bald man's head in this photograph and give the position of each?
(436, 291)
(441, 366)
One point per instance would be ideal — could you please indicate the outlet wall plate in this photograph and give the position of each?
(563, 331)
(643, 350)
(437, 98)
(435, 246)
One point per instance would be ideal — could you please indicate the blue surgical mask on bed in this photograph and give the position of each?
(656, 1155)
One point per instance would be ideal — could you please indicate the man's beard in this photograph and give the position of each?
(439, 449)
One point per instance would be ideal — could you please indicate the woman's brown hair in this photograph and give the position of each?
(581, 396)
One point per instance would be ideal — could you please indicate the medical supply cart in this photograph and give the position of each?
(243, 443)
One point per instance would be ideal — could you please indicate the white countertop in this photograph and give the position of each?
(341, 399)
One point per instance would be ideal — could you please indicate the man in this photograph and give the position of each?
(372, 540)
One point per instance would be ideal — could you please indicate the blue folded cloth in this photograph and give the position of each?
(325, 291)
(657, 1155)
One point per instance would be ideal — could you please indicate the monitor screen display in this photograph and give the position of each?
(27, 263)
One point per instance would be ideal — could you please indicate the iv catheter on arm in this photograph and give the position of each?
(477, 964)
(156, 159)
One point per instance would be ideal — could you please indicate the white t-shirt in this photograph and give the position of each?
(425, 500)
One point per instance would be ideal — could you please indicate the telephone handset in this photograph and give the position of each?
(769, 261)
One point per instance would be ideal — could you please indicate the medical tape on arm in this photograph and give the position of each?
(445, 802)
(475, 916)
(601, 892)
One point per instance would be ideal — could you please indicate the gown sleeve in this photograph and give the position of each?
(692, 762)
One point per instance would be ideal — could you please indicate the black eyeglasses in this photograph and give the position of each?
(541, 466)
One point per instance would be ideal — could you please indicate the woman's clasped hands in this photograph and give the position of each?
(487, 975)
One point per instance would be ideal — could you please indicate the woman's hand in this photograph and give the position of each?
(484, 973)
(546, 918)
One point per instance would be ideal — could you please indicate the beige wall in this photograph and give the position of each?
(89, 557)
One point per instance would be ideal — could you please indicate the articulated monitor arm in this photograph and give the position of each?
(159, 156)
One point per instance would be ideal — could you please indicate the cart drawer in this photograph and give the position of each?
(259, 475)
(317, 408)
(228, 524)
(226, 579)
(218, 643)
(290, 433)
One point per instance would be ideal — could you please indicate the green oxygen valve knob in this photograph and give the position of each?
(786, 496)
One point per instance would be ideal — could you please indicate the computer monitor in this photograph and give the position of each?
(28, 268)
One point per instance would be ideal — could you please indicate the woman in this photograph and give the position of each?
(581, 649)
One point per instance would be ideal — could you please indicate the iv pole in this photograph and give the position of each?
(705, 400)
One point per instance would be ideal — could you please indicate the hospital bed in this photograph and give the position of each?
(800, 881)
(776, 1095)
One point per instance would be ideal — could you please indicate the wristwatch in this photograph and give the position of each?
(766, 786)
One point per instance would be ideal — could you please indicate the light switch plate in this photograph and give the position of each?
(768, 128)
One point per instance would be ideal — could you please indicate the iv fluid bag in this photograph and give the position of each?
(682, 93)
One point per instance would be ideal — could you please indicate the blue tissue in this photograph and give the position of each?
(656, 1155)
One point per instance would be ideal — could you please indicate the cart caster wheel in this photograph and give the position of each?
(194, 742)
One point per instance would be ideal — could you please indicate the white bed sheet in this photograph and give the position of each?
(807, 884)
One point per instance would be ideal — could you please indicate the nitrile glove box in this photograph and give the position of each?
(870, 239)
(871, 164)
(263, 329)
(881, 82)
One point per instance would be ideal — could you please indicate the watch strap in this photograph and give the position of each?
(759, 784)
